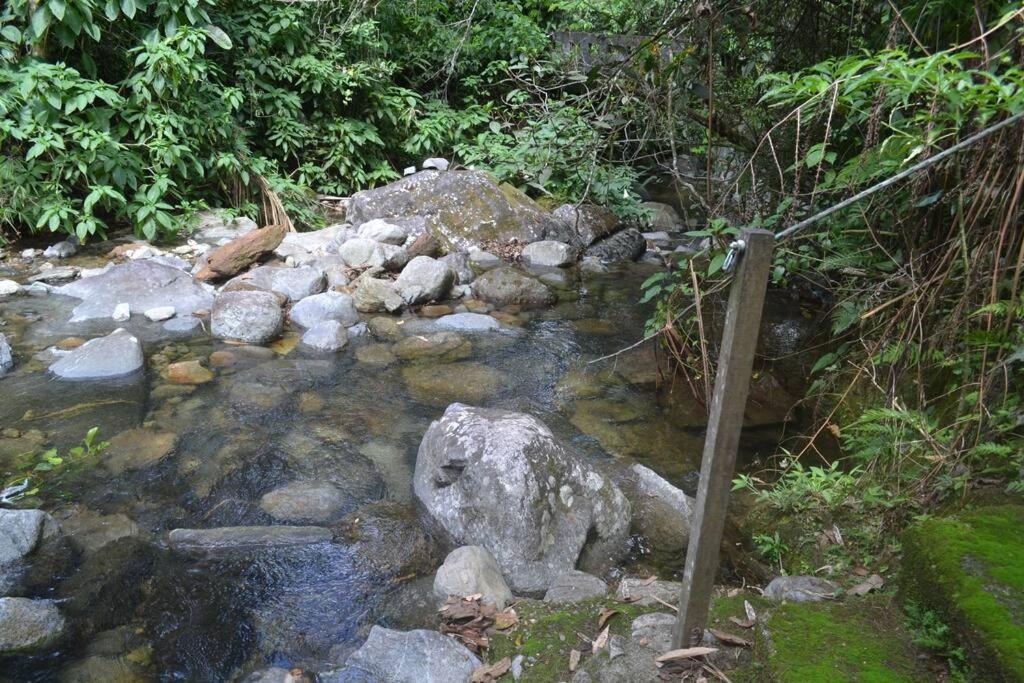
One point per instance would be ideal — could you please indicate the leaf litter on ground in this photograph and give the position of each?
(471, 621)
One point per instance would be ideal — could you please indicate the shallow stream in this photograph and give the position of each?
(202, 457)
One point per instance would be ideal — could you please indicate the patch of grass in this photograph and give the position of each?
(969, 569)
(855, 640)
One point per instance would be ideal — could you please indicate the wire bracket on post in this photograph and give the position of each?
(733, 255)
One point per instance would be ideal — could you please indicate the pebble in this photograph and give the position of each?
(223, 359)
(160, 313)
(188, 372)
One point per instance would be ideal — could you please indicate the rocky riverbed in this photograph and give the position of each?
(295, 451)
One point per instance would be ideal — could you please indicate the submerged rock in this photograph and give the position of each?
(472, 570)
(439, 385)
(388, 539)
(305, 501)
(419, 656)
(29, 625)
(143, 285)
(253, 317)
(500, 480)
(440, 347)
(137, 449)
(116, 355)
(245, 537)
(507, 286)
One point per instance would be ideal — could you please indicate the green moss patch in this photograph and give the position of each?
(969, 568)
(859, 639)
(547, 633)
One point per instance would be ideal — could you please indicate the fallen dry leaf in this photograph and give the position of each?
(729, 639)
(486, 674)
(749, 609)
(506, 619)
(649, 580)
(685, 653)
(742, 623)
(860, 570)
(606, 614)
(872, 583)
(574, 660)
(601, 640)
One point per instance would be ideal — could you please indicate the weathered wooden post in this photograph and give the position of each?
(732, 384)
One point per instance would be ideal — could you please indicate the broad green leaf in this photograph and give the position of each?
(11, 33)
(716, 263)
(218, 36)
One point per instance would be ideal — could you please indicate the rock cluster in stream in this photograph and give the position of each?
(522, 513)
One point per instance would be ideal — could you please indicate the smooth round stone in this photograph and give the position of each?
(137, 448)
(28, 625)
(117, 354)
(305, 501)
(435, 310)
(467, 322)
(223, 359)
(188, 372)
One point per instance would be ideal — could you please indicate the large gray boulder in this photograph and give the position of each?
(31, 548)
(28, 625)
(463, 209)
(424, 279)
(472, 570)
(500, 480)
(142, 284)
(6, 356)
(115, 355)
(504, 286)
(627, 245)
(253, 317)
(661, 512)
(589, 222)
(419, 656)
(326, 306)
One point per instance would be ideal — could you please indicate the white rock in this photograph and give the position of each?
(469, 570)
(6, 357)
(9, 287)
(29, 253)
(327, 335)
(119, 353)
(122, 312)
(60, 250)
(409, 170)
(549, 253)
(382, 231)
(438, 163)
(160, 313)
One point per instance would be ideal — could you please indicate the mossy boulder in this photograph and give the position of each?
(969, 568)
(462, 208)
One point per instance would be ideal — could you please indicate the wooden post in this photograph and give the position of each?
(732, 384)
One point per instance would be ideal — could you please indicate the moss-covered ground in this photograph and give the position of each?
(857, 639)
(969, 568)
